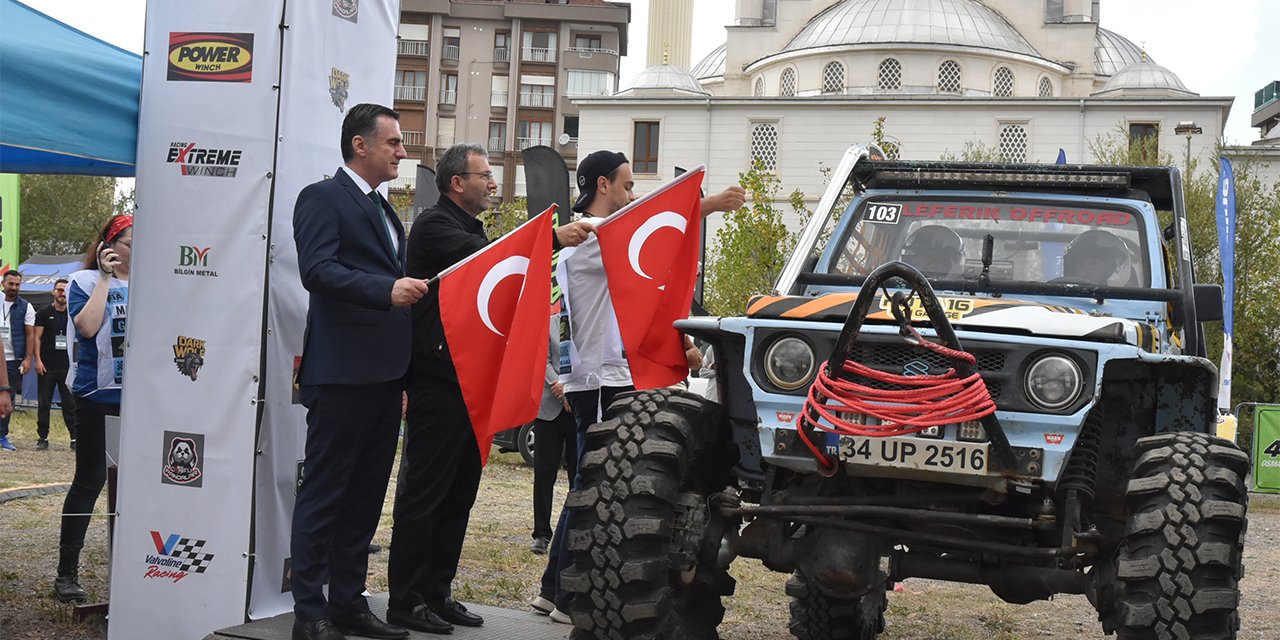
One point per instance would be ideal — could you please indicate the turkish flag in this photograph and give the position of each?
(650, 253)
(493, 305)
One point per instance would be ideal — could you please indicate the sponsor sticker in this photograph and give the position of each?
(348, 10)
(339, 87)
(1053, 438)
(195, 160)
(210, 57)
(786, 417)
(176, 557)
(188, 355)
(183, 459)
(194, 261)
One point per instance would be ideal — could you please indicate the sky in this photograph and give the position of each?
(1217, 47)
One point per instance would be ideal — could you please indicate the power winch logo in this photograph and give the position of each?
(198, 161)
(211, 57)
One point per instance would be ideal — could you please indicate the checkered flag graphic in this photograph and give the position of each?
(188, 551)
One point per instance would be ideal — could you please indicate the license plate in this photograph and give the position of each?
(914, 453)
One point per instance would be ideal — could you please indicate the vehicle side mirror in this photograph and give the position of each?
(1208, 299)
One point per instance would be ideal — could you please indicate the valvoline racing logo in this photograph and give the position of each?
(211, 57)
(176, 557)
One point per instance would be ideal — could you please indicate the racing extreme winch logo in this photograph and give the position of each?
(197, 161)
(210, 57)
(176, 557)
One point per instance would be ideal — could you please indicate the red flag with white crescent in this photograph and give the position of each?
(650, 253)
(493, 305)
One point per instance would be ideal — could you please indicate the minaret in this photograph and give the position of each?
(670, 33)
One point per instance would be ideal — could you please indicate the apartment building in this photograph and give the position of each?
(502, 73)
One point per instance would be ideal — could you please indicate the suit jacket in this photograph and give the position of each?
(349, 266)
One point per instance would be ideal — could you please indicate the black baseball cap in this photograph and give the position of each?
(592, 167)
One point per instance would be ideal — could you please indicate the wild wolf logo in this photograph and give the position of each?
(182, 464)
(188, 356)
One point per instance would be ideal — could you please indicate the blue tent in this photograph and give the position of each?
(68, 101)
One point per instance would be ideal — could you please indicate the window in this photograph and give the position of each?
(1144, 140)
(586, 41)
(1046, 88)
(1013, 143)
(448, 88)
(539, 46)
(589, 83)
(533, 132)
(949, 76)
(452, 44)
(498, 91)
(833, 78)
(644, 151)
(571, 127)
(759, 87)
(502, 46)
(764, 145)
(890, 78)
(1002, 83)
(497, 135)
(444, 133)
(537, 91)
(787, 83)
(407, 78)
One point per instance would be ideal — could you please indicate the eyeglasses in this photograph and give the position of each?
(487, 175)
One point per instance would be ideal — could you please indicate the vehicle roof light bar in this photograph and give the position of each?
(936, 177)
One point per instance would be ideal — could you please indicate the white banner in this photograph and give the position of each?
(180, 559)
(336, 55)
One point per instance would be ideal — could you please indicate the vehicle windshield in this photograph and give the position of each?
(1033, 241)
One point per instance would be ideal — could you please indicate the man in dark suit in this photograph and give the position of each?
(351, 250)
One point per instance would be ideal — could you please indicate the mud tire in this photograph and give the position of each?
(633, 574)
(815, 616)
(1176, 571)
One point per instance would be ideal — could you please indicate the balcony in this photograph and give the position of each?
(525, 143)
(539, 54)
(448, 96)
(498, 99)
(413, 48)
(501, 54)
(444, 140)
(497, 145)
(403, 183)
(410, 93)
(450, 52)
(413, 138)
(587, 52)
(539, 100)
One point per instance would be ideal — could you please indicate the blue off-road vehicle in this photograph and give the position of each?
(991, 374)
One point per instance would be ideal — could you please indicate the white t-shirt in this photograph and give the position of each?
(596, 358)
(5, 328)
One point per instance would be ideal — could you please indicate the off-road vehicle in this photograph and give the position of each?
(989, 374)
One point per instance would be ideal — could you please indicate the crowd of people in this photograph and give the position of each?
(373, 329)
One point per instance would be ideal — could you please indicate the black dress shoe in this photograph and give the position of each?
(419, 619)
(451, 610)
(368, 625)
(320, 629)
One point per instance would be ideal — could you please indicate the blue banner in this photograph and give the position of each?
(1062, 156)
(1226, 208)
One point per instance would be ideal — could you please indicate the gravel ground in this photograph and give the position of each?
(498, 568)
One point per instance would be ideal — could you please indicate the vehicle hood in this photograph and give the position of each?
(1001, 315)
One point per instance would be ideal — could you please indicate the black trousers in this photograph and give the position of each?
(48, 381)
(86, 485)
(15, 381)
(553, 440)
(439, 477)
(351, 444)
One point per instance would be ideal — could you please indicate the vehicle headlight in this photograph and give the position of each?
(789, 363)
(1053, 382)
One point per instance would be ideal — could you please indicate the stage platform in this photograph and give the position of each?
(499, 624)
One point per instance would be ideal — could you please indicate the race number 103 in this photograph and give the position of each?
(883, 213)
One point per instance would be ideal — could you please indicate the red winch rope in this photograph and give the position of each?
(923, 402)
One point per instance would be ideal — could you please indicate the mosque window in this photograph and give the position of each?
(644, 151)
(890, 75)
(759, 87)
(764, 145)
(787, 83)
(833, 77)
(949, 76)
(1002, 84)
(1144, 141)
(1013, 143)
(1046, 88)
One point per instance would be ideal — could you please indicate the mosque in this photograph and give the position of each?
(797, 81)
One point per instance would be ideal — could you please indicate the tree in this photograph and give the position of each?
(63, 214)
(503, 218)
(751, 248)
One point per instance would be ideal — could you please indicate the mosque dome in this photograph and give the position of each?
(963, 23)
(1113, 52)
(1144, 78)
(664, 79)
(711, 66)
